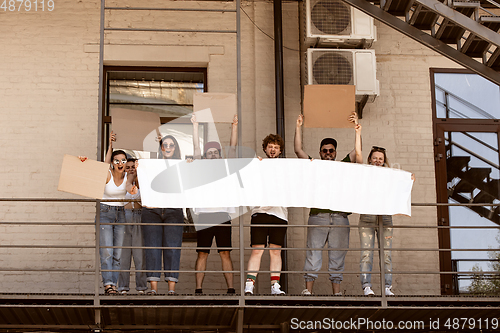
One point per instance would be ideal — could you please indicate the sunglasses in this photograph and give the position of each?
(172, 145)
(213, 153)
(375, 148)
(123, 161)
(331, 150)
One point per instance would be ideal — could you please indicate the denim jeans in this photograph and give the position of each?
(111, 235)
(335, 238)
(162, 236)
(133, 237)
(367, 234)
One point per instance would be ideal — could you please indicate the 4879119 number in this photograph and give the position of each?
(27, 5)
(472, 323)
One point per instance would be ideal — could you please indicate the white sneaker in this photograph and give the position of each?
(388, 291)
(338, 294)
(249, 288)
(276, 289)
(306, 292)
(368, 291)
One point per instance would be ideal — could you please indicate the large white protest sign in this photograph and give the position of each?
(338, 186)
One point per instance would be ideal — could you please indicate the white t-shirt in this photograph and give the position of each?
(281, 212)
(229, 210)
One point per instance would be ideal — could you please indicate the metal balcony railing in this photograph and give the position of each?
(238, 245)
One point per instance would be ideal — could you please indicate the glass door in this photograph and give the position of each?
(467, 164)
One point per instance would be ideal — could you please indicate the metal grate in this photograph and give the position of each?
(331, 17)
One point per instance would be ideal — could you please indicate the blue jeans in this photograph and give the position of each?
(367, 234)
(133, 237)
(317, 238)
(111, 235)
(162, 236)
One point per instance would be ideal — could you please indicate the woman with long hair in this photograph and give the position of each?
(158, 231)
(368, 231)
(111, 235)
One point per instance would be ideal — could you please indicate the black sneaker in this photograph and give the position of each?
(231, 291)
(198, 291)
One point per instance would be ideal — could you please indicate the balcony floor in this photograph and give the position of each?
(77, 312)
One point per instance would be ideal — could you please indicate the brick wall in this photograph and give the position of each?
(48, 105)
(49, 108)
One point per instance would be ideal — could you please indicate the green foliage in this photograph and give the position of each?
(487, 283)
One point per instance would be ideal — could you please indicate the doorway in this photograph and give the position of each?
(466, 146)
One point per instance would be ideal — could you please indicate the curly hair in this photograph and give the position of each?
(273, 138)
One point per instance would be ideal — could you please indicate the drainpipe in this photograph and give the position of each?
(280, 104)
(278, 70)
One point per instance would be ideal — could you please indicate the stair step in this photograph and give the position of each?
(464, 187)
(486, 213)
(462, 5)
(455, 165)
(449, 32)
(423, 18)
(457, 162)
(396, 7)
(493, 188)
(476, 47)
(490, 22)
(475, 175)
(494, 60)
(484, 196)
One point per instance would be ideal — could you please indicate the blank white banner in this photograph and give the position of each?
(339, 186)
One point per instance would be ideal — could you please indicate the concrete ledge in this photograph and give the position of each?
(159, 55)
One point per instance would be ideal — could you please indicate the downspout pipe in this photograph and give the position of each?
(278, 69)
(280, 105)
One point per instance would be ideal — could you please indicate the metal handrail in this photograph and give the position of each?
(494, 3)
(496, 166)
(480, 141)
(241, 248)
(465, 103)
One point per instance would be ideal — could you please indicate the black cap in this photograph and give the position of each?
(327, 141)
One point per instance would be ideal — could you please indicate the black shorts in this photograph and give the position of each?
(258, 235)
(222, 232)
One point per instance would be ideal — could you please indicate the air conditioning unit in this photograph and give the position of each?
(344, 66)
(333, 22)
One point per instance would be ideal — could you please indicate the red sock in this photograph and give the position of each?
(275, 279)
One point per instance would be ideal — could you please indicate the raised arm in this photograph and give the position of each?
(234, 138)
(196, 138)
(297, 142)
(112, 138)
(356, 155)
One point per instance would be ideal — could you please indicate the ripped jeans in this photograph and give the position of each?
(368, 231)
(111, 235)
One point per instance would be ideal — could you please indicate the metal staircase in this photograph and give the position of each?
(469, 164)
(455, 29)
(472, 185)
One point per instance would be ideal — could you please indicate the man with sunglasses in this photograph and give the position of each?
(218, 217)
(337, 237)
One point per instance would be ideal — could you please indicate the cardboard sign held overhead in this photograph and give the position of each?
(84, 178)
(328, 105)
(132, 127)
(222, 106)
